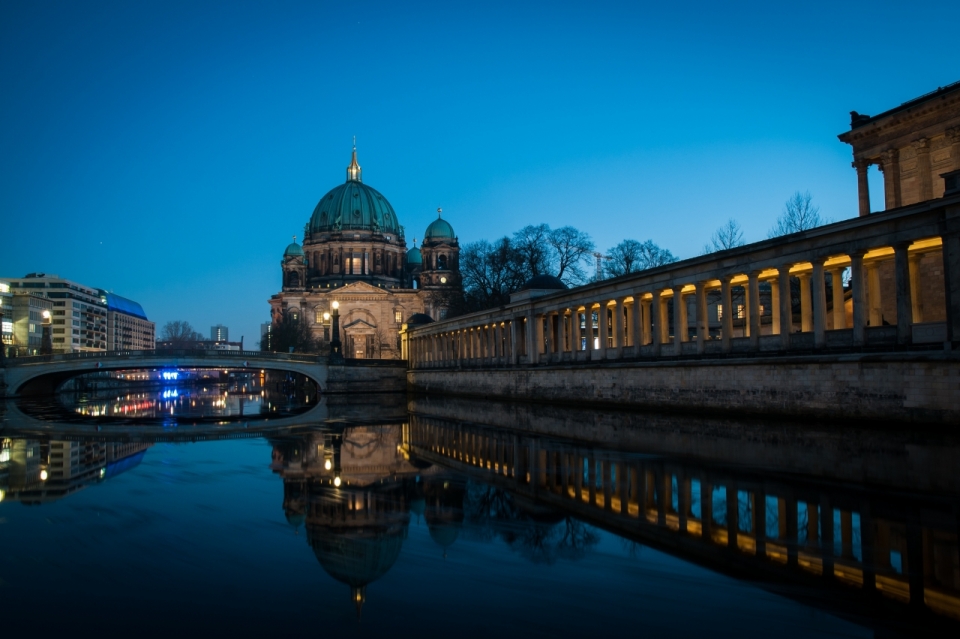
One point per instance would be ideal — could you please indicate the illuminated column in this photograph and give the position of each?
(646, 322)
(664, 312)
(786, 307)
(629, 339)
(576, 331)
(819, 292)
(656, 317)
(603, 327)
(617, 312)
(913, 263)
(679, 320)
(562, 331)
(890, 165)
(863, 185)
(858, 288)
(703, 322)
(545, 324)
(806, 307)
(873, 293)
(726, 318)
(774, 305)
(588, 328)
(753, 308)
(924, 172)
(636, 322)
(904, 300)
(839, 308)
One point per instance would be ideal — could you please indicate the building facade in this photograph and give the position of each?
(219, 333)
(81, 315)
(354, 253)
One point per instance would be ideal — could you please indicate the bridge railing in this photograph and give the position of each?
(167, 352)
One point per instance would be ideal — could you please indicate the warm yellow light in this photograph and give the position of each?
(2, 494)
(45, 314)
(326, 316)
(43, 475)
(336, 481)
(335, 304)
(327, 465)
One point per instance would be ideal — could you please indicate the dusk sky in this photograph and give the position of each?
(169, 150)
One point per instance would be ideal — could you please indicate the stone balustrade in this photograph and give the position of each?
(783, 295)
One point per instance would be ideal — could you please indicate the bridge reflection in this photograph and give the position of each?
(777, 528)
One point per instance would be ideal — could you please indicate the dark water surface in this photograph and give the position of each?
(392, 515)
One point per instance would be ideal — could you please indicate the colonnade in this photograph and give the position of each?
(812, 301)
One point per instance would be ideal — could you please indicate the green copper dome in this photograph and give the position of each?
(439, 229)
(354, 206)
(293, 250)
(414, 256)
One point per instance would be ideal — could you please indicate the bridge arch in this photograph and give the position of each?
(44, 374)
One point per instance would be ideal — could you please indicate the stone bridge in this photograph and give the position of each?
(860, 318)
(44, 373)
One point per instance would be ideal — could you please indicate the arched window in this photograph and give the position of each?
(442, 262)
(293, 279)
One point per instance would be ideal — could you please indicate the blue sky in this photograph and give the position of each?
(168, 150)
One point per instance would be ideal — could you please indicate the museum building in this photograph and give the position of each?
(354, 254)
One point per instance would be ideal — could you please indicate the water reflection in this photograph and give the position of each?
(860, 524)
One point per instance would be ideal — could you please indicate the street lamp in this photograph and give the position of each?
(46, 344)
(336, 348)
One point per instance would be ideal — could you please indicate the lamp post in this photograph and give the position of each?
(46, 344)
(336, 348)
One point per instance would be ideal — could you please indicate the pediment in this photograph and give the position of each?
(362, 288)
(360, 323)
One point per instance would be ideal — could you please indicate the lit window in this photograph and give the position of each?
(398, 316)
(761, 309)
(719, 311)
(739, 311)
(319, 316)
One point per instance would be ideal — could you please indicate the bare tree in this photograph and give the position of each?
(294, 334)
(571, 247)
(799, 214)
(728, 236)
(630, 256)
(179, 333)
(531, 244)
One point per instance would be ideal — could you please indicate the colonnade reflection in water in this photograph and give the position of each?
(863, 524)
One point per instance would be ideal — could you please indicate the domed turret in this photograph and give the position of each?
(293, 250)
(543, 283)
(439, 229)
(354, 206)
(413, 255)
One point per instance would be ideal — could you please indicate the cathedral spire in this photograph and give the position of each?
(353, 171)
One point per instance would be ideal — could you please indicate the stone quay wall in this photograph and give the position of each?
(896, 387)
(367, 376)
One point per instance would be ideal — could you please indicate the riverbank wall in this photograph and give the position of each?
(892, 387)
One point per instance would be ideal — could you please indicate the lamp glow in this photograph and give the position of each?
(336, 482)
(327, 465)
(326, 317)
(335, 304)
(43, 475)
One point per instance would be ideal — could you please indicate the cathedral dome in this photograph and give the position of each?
(354, 206)
(414, 256)
(439, 229)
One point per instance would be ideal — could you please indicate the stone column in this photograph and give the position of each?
(863, 185)
(530, 332)
(913, 264)
(679, 320)
(753, 306)
(873, 293)
(786, 307)
(819, 305)
(636, 322)
(703, 322)
(588, 328)
(576, 331)
(656, 318)
(953, 135)
(548, 343)
(924, 172)
(858, 288)
(542, 344)
(646, 322)
(514, 345)
(618, 310)
(904, 299)
(806, 306)
(664, 323)
(726, 318)
(839, 308)
(890, 165)
(603, 327)
(774, 305)
(561, 331)
(628, 312)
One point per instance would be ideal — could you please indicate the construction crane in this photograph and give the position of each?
(600, 258)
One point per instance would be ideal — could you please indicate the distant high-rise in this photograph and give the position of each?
(219, 333)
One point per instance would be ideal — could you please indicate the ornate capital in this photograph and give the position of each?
(861, 164)
(889, 158)
(922, 145)
(953, 134)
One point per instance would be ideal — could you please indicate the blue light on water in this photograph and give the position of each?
(170, 375)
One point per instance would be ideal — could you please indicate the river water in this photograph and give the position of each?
(231, 507)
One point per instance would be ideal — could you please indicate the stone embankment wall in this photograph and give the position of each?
(908, 387)
(362, 377)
